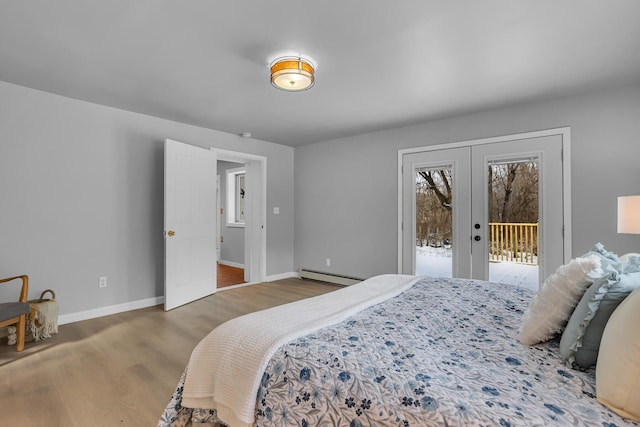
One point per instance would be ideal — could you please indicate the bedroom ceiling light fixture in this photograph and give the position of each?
(629, 214)
(293, 73)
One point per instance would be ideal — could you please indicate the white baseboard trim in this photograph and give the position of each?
(231, 264)
(281, 276)
(111, 309)
(149, 302)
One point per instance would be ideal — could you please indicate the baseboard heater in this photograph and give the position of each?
(338, 279)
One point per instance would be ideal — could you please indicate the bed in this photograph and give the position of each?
(391, 351)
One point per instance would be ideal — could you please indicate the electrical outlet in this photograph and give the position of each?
(328, 262)
(102, 282)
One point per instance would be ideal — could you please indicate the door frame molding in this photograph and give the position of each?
(563, 132)
(258, 230)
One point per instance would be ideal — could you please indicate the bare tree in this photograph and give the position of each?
(443, 177)
(512, 169)
(433, 207)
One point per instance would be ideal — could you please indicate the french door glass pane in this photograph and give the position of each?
(513, 213)
(434, 226)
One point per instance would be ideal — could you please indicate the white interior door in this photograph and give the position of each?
(461, 174)
(189, 223)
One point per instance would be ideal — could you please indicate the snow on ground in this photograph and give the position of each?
(436, 262)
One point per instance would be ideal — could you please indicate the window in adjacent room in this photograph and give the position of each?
(236, 197)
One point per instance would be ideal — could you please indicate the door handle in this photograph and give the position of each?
(477, 238)
(171, 233)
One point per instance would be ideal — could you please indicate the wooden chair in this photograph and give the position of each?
(15, 313)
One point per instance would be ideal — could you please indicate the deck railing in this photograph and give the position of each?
(512, 241)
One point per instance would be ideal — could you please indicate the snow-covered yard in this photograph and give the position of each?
(437, 262)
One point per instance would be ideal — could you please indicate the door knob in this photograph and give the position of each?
(171, 233)
(477, 238)
(477, 226)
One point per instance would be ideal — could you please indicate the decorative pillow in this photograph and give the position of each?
(618, 368)
(580, 341)
(626, 258)
(550, 308)
(607, 258)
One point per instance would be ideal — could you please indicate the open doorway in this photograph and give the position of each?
(231, 223)
(241, 216)
(191, 219)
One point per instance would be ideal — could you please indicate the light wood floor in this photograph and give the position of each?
(121, 370)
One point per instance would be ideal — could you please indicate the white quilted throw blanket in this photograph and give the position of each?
(226, 367)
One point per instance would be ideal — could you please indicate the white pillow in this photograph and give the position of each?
(618, 367)
(552, 306)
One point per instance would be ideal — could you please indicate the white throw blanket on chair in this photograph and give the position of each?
(42, 321)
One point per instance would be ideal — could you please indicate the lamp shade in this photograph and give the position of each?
(629, 214)
(292, 73)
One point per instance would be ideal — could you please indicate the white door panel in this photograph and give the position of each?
(254, 224)
(547, 152)
(190, 223)
(457, 159)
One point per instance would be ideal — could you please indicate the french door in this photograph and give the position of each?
(490, 211)
(439, 226)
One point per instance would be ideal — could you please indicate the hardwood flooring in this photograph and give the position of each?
(229, 276)
(121, 370)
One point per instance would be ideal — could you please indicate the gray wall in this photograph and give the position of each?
(81, 189)
(346, 190)
(232, 249)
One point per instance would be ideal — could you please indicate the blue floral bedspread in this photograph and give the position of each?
(445, 353)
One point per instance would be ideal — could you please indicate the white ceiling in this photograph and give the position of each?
(381, 63)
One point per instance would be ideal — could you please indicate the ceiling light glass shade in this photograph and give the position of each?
(629, 214)
(292, 73)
